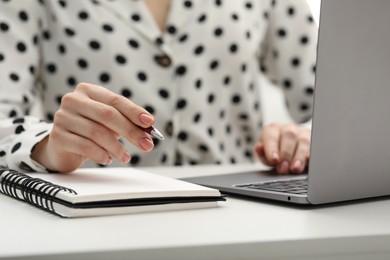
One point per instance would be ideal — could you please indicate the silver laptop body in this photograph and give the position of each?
(350, 150)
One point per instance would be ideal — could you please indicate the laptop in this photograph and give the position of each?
(350, 149)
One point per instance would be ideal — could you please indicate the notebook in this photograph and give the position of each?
(350, 148)
(105, 191)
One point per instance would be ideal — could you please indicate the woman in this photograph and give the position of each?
(190, 68)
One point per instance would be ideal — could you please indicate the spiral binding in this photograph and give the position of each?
(34, 191)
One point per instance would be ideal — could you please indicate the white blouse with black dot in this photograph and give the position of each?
(199, 77)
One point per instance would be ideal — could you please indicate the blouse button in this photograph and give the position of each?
(163, 60)
(169, 128)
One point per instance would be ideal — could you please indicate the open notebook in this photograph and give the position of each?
(105, 191)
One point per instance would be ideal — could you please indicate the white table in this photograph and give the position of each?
(238, 229)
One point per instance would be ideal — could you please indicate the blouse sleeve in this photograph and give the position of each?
(289, 54)
(20, 23)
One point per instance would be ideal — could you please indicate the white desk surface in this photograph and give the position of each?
(238, 229)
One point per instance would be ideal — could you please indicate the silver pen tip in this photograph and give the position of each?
(157, 134)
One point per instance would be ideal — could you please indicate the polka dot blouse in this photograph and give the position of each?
(199, 77)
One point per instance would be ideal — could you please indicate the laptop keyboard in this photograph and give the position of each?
(294, 186)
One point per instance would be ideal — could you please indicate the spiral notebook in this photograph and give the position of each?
(105, 191)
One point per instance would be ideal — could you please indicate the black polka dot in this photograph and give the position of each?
(226, 80)
(214, 64)
(182, 136)
(82, 63)
(202, 18)
(14, 77)
(233, 48)
(181, 70)
(203, 148)
(210, 131)
(94, 44)
(120, 59)
(183, 38)
(23, 16)
(287, 84)
(218, 31)
(49, 117)
(21, 47)
(12, 113)
(126, 92)
(2, 153)
(198, 50)
(211, 98)
(218, 3)
(104, 77)
(309, 90)
(310, 19)
(171, 29)
(304, 40)
(19, 120)
(61, 48)
(142, 76)
(46, 35)
(282, 33)
(290, 11)
(16, 147)
(248, 5)
(197, 117)
(236, 99)
(107, 27)
(62, 3)
(31, 69)
(71, 81)
(19, 129)
(51, 68)
(198, 83)
(163, 93)
(4, 27)
(243, 67)
(136, 17)
(133, 43)
(2, 57)
(295, 62)
(135, 159)
(181, 104)
(304, 107)
(69, 32)
(149, 108)
(83, 15)
(235, 17)
(58, 99)
(164, 158)
(187, 4)
(159, 41)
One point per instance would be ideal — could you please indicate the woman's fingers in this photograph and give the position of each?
(285, 146)
(271, 139)
(108, 117)
(101, 135)
(134, 113)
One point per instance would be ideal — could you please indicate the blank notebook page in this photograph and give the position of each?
(121, 183)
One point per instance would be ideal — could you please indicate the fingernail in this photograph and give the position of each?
(146, 119)
(109, 161)
(146, 144)
(275, 157)
(126, 158)
(297, 166)
(284, 167)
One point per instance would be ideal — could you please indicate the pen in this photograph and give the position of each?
(154, 132)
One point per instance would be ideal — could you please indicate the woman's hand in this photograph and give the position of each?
(88, 125)
(284, 146)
